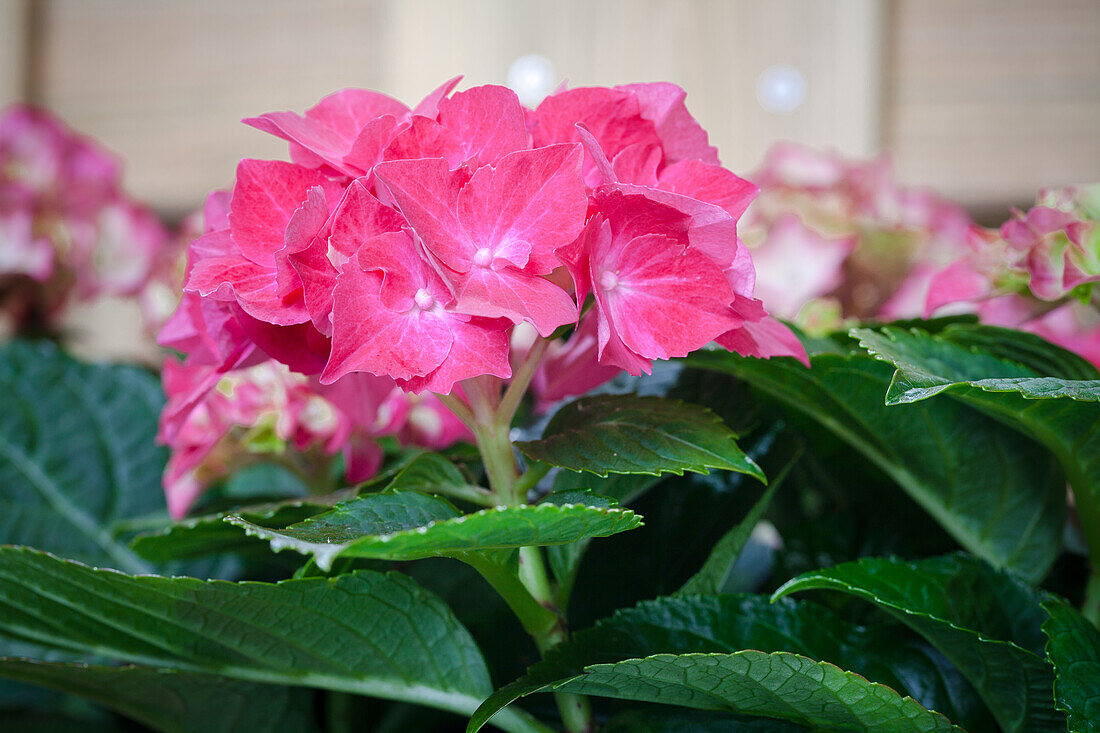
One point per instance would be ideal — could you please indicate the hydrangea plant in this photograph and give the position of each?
(472, 402)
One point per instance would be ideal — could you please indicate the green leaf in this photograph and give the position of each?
(985, 621)
(656, 719)
(406, 525)
(366, 633)
(629, 434)
(76, 453)
(624, 488)
(171, 701)
(1073, 647)
(777, 685)
(431, 473)
(1027, 349)
(883, 652)
(1058, 412)
(212, 535)
(712, 576)
(998, 493)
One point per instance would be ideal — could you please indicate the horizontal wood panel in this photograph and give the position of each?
(165, 83)
(990, 99)
(985, 100)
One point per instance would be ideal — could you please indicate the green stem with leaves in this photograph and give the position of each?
(528, 592)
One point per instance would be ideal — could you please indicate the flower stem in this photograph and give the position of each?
(521, 379)
(527, 592)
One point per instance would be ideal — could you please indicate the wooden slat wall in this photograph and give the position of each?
(14, 37)
(165, 83)
(986, 99)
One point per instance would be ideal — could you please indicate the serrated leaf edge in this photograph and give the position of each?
(679, 471)
(697, 655)
(941, 384)
(324, 557)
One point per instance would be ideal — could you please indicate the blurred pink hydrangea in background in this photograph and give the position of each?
(68, 231)
(1036, 273)
(838, 239)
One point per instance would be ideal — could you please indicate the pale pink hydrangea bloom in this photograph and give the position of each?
(1036, 273)
(831, 235)
(67, 230)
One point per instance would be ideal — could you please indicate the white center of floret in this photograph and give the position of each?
(424, 299)
(609, 280)
(483, 257)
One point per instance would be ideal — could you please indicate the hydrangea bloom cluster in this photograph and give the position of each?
(68, 231)
(261, 412)
(1036, 273)
(835, 238)
(228, 398)
(409, 243)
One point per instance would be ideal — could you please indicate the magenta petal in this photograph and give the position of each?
(329, 129)
(488, 119)
(571, 367)
(367, 336)
(710, 229)
(710, 183)
(215, 211)
(764, 339)
(404, 272)
(612, 116)
(681, 136)
(359, 217)
(954, 283)
(213, 244)
(665, 300)
(517, 296)
(423, 137)
(638, 164)
(362, 458)
(427, 193)
(306, 225)
(429, 106)
(301, 347)
(267, 194)
(534, 196)
(604, 169)
(368, 147)
(612, 350)
(480, 348)
(253, 286)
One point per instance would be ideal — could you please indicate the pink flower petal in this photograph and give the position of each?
(681, 136)
(488, 120)
(662, 299)
(403, 335)
(329, 129)
(710, 183)
(267, 194)
(954, 283)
